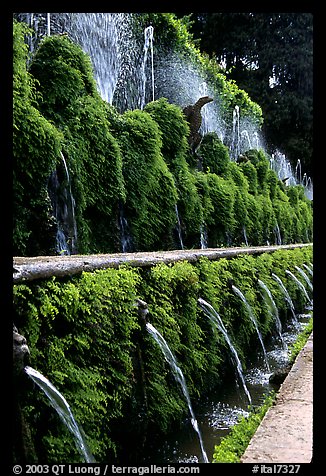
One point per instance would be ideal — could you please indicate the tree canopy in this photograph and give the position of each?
(270, 56)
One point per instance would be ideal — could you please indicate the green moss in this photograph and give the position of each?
(221, 220)
(138, 162)
(300, 341)
(95, 162)
(64, 73)
(214, 154)
(80, 335)
(175, 150)
(150, 187)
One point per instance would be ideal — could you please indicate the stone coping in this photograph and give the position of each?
(41, 267)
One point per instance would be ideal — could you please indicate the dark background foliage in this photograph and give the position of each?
(269, 55)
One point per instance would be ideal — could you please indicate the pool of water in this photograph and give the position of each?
(218, 413)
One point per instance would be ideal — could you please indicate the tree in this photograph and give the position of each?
(269, 55)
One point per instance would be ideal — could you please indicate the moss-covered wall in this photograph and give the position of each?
(134, 166)
(85, 335)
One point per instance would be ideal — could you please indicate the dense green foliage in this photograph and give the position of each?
(131, 170)
(36, 145)
(300, 341)
(84, 334)
(79, 333)
(175, 151)
(150, 188)
(232, 446)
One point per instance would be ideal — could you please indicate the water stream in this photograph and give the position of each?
(299, 283)
(217, 322)
(272, 308)
(178, 227)
(203, 237)
(286, 295)
(310, 270)
(63, 205)
(177, 372)
(235, 144)
(125, 235)
(59, 403)
(222, 408)
(251, 315)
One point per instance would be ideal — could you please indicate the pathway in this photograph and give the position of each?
(285, 433)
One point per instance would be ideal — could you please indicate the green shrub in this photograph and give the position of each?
(64, 73)
(95, 162)
(175, 149)
(137, 165)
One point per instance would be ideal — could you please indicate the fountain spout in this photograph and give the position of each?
(21, 351)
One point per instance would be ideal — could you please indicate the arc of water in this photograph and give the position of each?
(305, 277)
(59, 403)
(178, 375)
(286, 295)
(298, 172)
(299, 283)
(217, 322)
(274, 313)
(48, 24)
(72, 204)
(253, 320)
(179, 226)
